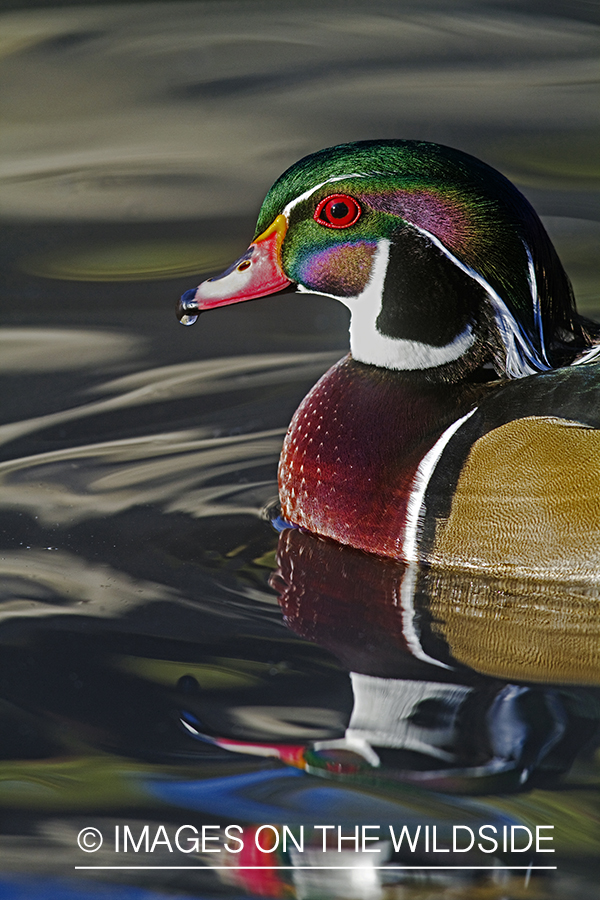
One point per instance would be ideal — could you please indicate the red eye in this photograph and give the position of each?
(337, 211)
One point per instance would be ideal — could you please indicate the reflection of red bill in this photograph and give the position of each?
(255, 274)
(293, 754)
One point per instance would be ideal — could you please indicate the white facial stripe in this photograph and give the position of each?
(521, 358)
(589, 356)
(293, 203)
(537, 310)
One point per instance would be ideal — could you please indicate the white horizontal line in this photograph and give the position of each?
(348, 868)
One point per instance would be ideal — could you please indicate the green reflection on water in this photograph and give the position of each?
(137, 261)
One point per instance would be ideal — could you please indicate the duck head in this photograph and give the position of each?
(443, 264)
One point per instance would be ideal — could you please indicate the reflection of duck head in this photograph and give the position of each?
(454, 289)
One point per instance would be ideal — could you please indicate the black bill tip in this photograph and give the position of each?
(187, 310)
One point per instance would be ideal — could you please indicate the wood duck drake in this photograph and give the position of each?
(462, 428)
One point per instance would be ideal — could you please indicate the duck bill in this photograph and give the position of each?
(257, 273)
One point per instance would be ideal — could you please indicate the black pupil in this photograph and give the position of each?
(338, 210)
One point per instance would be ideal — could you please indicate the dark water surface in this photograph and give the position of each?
(166, 659)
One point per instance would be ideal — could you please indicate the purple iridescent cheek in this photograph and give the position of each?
(448, 218)
(342, 270)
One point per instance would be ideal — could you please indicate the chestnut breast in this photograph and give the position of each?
(353, 447)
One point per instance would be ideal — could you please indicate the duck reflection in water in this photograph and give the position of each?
(436, 702)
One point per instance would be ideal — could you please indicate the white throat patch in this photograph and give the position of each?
(368, 345)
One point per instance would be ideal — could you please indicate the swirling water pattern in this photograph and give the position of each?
(166, 657)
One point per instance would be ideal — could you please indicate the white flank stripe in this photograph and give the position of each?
(407, 593)
(409, 548)
(419, 486)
